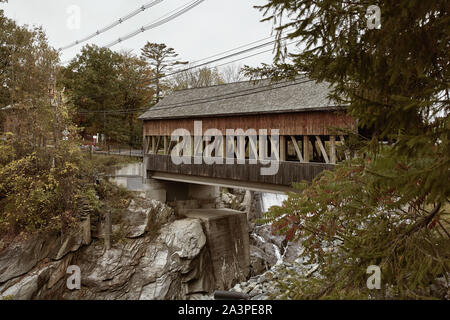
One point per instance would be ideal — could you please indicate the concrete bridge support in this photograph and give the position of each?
(226, 230)
(228, 244)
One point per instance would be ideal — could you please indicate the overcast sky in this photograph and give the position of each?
(210, 28)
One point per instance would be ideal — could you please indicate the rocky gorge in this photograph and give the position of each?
(156, 254)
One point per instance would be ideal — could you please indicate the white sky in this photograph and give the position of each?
(210, 28)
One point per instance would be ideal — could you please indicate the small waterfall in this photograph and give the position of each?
(278, 255)
(272, 199)
(258, 237)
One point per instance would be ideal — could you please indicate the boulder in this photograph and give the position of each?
(26, 287)
(20, 257)
(170, 266)
(229, 200)
(259, 261)
(142, 215)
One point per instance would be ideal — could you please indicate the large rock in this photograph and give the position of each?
(168, 262)
(22, 256)
(229, 200)
(170, 266)
(144, 214)
(267, 249)
(259, 261)
(38, 283)
(24, 289)
(228, 243)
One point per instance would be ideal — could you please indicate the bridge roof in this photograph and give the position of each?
(246, 97)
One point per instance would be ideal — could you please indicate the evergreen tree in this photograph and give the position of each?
(162, 60)
(389, 206)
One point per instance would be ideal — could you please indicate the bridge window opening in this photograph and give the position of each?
(252, 144)
(215, 145)
(213, 142)
(306, 148)
(157, 144)
(295, 148)
(291, 155)
(318, 150)
(313, 149)
(263, 147)
(269, 147)
(170, 145)
(247, 148)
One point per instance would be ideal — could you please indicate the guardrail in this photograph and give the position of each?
(288, 172)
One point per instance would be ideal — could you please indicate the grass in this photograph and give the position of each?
(106, 164)
(100, 161)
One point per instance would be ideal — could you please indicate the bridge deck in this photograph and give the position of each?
(288, 172)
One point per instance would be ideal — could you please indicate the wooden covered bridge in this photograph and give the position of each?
(226, 134)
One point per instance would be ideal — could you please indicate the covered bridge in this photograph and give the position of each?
(298, 113)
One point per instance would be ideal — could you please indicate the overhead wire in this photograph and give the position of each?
(216, 60)
(114, 24)
(246, 57)
(189, 7)
(162, 20)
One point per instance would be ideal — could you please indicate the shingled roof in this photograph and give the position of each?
(245, 97)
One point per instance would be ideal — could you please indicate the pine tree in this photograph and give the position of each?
(162, 60)
(389, 206)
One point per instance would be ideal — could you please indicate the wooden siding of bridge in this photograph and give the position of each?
(288, 173)
(298, 123)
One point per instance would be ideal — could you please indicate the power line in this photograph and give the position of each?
(231, 50)
(234, 49)
(114, 24)
(246, 57)
(155, 24)
(157, 20)
(219, 59)
(215, 60)
(240, 47)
